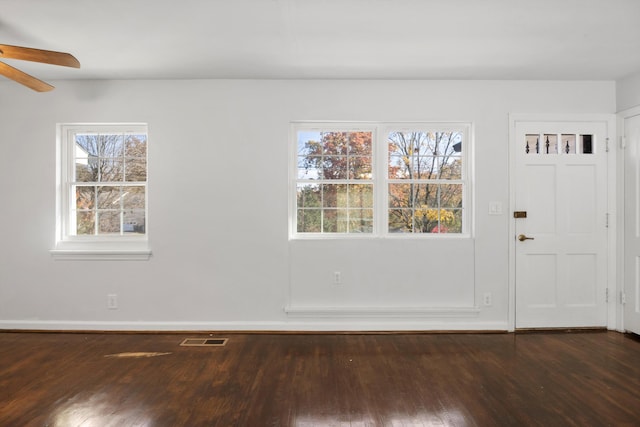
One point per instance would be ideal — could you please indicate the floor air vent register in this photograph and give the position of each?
(204, 342)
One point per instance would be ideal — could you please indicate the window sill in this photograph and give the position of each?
(97, 252)
(387, 236)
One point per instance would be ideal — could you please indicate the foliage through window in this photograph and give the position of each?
(334, 189)
(105, 180)
(381, 179)
(425, 182)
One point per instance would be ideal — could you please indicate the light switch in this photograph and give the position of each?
(495, 208)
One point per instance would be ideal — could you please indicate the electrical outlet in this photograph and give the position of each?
(487, 299)
(112, 301)
(337, 278)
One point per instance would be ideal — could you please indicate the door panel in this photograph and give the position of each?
(561, 182)
(632, 225)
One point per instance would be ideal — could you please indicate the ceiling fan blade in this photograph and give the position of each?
(24, 78)
(39, 55)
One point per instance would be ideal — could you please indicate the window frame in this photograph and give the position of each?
(69, 245)
(381, 179)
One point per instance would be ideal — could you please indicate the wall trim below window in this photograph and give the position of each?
(390, 312)
(100, 255)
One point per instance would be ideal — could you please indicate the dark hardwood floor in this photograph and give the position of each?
(523, 379)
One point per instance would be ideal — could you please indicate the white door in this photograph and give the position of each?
(632, 225)
(561, 246)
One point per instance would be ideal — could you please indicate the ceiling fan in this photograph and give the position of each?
(34, 55)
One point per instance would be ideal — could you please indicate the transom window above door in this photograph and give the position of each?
(553, 143)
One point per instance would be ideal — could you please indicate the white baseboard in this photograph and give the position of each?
(298, 325)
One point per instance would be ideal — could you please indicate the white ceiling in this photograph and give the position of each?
(377, 39)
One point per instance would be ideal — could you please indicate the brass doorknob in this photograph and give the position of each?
(522, 238)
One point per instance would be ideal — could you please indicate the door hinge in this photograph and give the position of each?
(606, 295)
(607, 144)
(623, 142)
(606, 220)
(623, 298)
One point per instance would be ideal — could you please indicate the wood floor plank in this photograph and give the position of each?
(522, 379)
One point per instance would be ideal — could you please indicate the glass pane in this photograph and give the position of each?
(309, 167)
(85, 197)
(360, 143)
(309, 220)
(335, 221)
(86, 170)
(587, 144)
(569, 144)
(330, 221)
(451, 195)
(335, 143)
(425, 195)
(532, 144)
(85, 223)
(136, 146)
(400, 220)
(450, 168)
(413, 195)
(360, 167)
(399, 167)
(111, 170)
(361, 220)
(309, 143)
(86, 145)
(411, 144)
(309, 195)
(426, 220)
(109, 222)
(109, 197)
(449, 143)
(423, 167)
(360, 195)
(549, 144)
(133, 197)
(111, 145)
(399, 195)
(342, 216)
(134, 222)
(334, 195)
(136, 170)
(334, 167)
(451, 221)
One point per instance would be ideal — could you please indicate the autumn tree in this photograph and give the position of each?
(420, 166)
(343, 200)
(335, 182)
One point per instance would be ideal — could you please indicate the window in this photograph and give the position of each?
(335, 188)
(381, 179)
(102, 188)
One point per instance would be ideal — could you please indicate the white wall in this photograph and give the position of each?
(218, 224)
(628, 92)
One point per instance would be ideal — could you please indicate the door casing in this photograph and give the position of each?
(629, 263)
